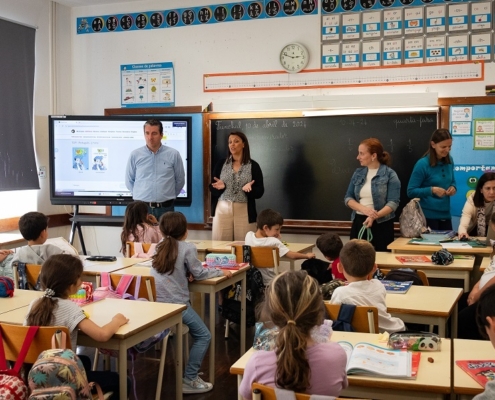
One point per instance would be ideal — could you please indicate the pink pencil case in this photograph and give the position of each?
(219, 259)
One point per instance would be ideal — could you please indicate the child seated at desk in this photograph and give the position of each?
(486, 325)
(61, 277)
(293, 303)
(268, 226)
(357, 263)
(34, 228)
(139, 226)
(330, 245)
(173, 261)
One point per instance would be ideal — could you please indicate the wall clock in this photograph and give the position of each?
(294, 57)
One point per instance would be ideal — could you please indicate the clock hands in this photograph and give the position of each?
(288, 55)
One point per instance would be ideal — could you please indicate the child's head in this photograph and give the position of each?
(269, 222)
(293, 302)
(330, 245)
(135, 213)
(32, 225)
(60, 276)
(173, 226)
(357, 258)
(485, 314)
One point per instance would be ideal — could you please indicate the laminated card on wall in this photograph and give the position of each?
(350, 55)
(392, 52)
(481, 15)
(351, 26)
(371, 53)
(392, 22)
(372, 22)
(435, 19)
(481, 44)
(414, 20)
(458, 17)
(435, 49)
(414, 49)
(330, 56)
(458, 47)
(330, 29)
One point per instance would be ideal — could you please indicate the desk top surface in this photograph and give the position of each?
(401, 244)
(203, 245)
(424, 300)
(432, 377)
(296, 247)
(470, 350)
(20, 299)
(8, 238)
(389, 260)
(141, 314)
(97, 267)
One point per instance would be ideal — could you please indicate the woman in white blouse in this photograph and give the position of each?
(478, 208)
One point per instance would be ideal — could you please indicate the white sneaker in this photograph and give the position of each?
(196, 385)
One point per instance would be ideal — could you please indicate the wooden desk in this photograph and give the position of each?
(21, 298)
(145, 320)
(142, 325)
(9, 240)
(459, 269)
(210, 287)
(401, 245)
(430, 305)
(485, 263)
(204, 245)
(433, 381)
(463, 384)
(302, 248)
(95, 268)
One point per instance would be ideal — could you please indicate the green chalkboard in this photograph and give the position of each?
(308, 162)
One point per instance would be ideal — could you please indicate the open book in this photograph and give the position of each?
(482, 371)
(400, 287)
(368, 359)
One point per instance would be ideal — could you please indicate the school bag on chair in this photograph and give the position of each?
(107, 291)
(412, 220)
(59, 374)
(12, 386)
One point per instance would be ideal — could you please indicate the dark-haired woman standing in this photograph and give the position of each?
(433, 182)
(374, 194)
(238, 182)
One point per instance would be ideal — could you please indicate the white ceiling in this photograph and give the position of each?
(79, 3)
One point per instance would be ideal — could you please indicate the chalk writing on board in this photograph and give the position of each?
(353, 121)
(413, 120)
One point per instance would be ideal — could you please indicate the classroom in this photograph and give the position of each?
(78, 72)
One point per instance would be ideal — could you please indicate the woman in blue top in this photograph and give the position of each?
(374, 194)
(432, 181)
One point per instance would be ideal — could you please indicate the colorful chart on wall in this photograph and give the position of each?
(393, 75)
(343, 6)
(147, 85)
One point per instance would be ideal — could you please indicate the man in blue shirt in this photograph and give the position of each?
(155, 172)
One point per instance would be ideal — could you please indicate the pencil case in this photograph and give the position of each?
(214, 260)
(415, 341)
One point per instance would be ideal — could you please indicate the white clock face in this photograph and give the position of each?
(294, 57)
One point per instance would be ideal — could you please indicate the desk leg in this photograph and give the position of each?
(212, 331)
(466, 282)
(442, 327)
(122, 370)
(453, 323)
(243, 314)
(81, 239)
(239, 380)
(178, 362)
(291, 265)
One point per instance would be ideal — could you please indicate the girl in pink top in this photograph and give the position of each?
(139, 226)
(293, 302)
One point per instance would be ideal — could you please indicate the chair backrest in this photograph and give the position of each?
(423, 277)
(261, 257)
(129, 248)
(13, 337)
(32, 273)
(361, 321)
(268, 393)
(147, 289)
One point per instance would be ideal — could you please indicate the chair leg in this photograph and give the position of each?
(161, 367)
(185, 343)
(226, 329)
(95, 362)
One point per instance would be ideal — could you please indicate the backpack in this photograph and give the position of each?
(6, 287)
(107, 291)
(404, 275)
(231, 307)
(412, 220)
(442, 257)
(344, 319)
(23, 281)
(59, 374)
(328, 288)
(140, 253)
(318, 269)
(12, 386)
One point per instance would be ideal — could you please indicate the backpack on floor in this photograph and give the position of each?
(59, 374)
(231, 307)
(12, 386)
(412, 220)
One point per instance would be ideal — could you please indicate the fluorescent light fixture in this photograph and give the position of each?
(364, 111)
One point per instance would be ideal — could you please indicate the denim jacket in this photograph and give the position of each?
(385, 189)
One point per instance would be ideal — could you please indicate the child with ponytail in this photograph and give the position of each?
(294, 304)
(173, 262)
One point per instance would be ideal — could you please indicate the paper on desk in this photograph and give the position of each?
(450, 245)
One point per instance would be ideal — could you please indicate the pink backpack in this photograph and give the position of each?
(105, 291)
